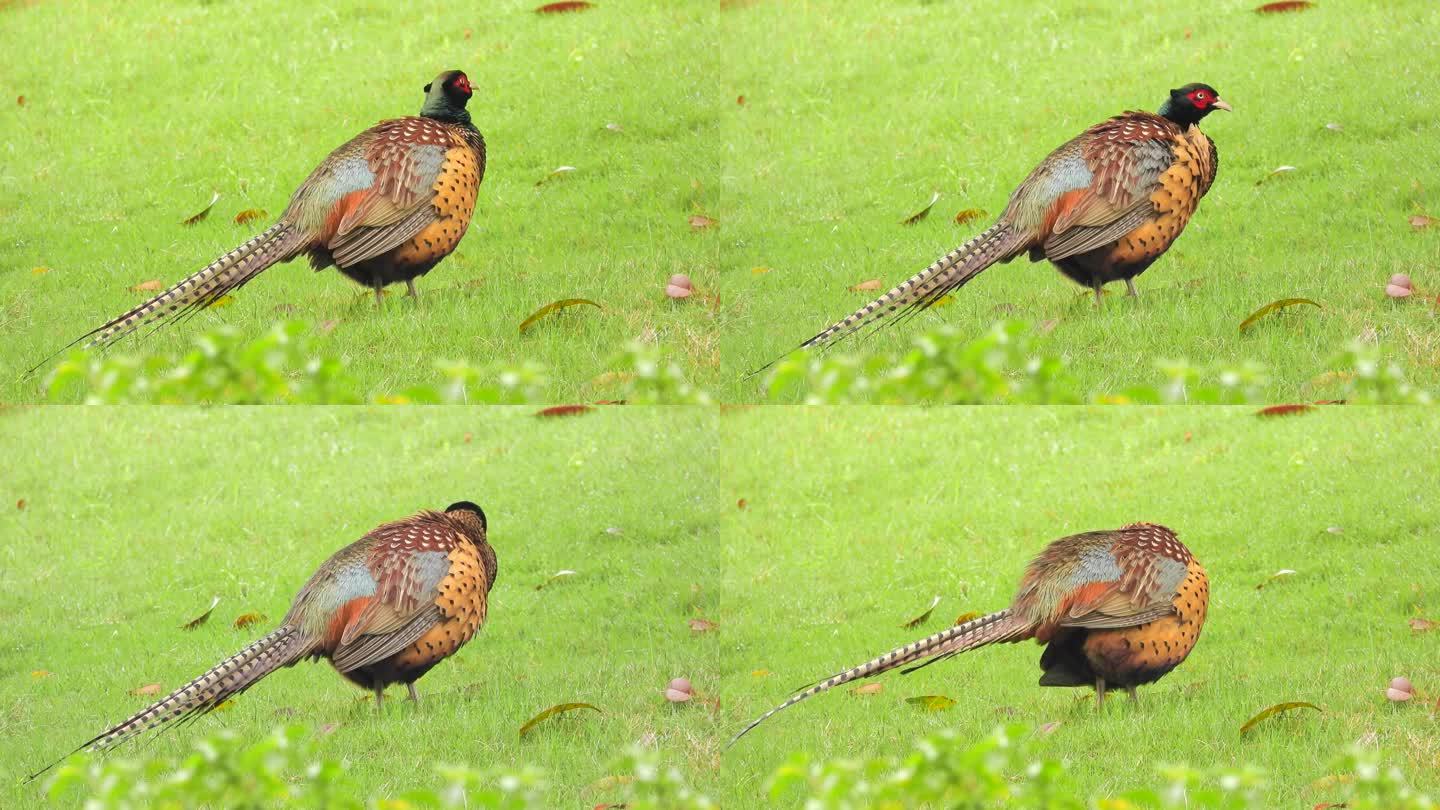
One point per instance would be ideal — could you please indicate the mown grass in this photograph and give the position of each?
(134, 114)
(855, 112)
(853, 518)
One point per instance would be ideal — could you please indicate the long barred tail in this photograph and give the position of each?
(996, 627)
(948, 273)
(226, 679)
(228, 273)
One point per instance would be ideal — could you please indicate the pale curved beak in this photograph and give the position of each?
(1221, 105)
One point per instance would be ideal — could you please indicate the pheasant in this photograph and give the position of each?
(1101, 208)
(383, 208)
(1113, 608)
(382, 610)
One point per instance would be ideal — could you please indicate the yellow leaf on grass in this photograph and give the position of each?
(39, 271)
(966, 617)
(968, 215)
(1277, 709)
(923, 617)
(555, 306)
(203, 617)
(204, 212)
(931, 703)
(1275, 306)
(244, 620)
(250, 215)
(923, 212)
(37, 674)
(551, 712)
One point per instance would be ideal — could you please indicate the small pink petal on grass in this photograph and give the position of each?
(679, 286)
(1400, 690)
(679, 690)
(1399, 286)
(1422, 221)
(1423, 625)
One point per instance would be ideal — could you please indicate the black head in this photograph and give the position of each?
(1188, 104)
(467, 506)
(446, 97)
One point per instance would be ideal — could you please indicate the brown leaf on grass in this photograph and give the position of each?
(968, 216)
(20, 101)
(564, 7)
(923, 212)
(868, 689)
(1283, 6)
(249, 215)
(559, 171)
(203, 617)
(1422, 221)
(1284, 410)
(1278, 575)
(1420, 625)
(931, 703)
(1275, 306)
(923, 617)
(147, 690)
(244, 620)
(204, 212)
(866, 286)
(554, 578)
(698, 626)
(968, 616)
(699, 222)
(564, 410)
(1277, 709)
(560, 708)
(152, 285)
(555, 306)
(328, 729)
(740, 99)
(20, 504)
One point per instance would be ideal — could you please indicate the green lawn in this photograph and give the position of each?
(852, 114)
(133, 114)
(855, 112)
(853, 519)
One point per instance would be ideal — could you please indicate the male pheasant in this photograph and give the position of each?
(384, 208)
(1114, 608)
(382, 610)
(1102, 207)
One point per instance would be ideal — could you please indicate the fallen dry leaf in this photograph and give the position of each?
(250, 215)
(1275, 172)
(923, 617)
(759, 271)
(1047, 729)
(931, 703)
(759, 673)
(223, 301)
(969, 215)
(923, 212)
(39, 271)
(698, 626)
(20, 101)
(37, 674)
(1281, 574)
(967, 617)
(551, 712)
(204, 212)
(866, 286)
(328, 729)
(1283, 6)
(564, 410)
(559, 171)
(203, 617)
(152, 285)
(699, 222)
(1422, 221)
(20, 504)
(1277, 709)
(740, 100)
(564, 6)
(1284, 410)
(1275, 306)
(146, 690)
(555, 577)
(555, 306)
(868, 689)
(244, 620)
(1420, 625)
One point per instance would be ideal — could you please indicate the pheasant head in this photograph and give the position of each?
(1188, 104)
(446, 97)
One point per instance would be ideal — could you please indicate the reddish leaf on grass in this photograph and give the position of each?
(152, 285)
(249, 215)
(1275, 306)
(1277, 709)
(1284, 410)
(551, 712)
(204, 212)
(923, 617)
(699, 626)
(563, 7)
(203, 617)
(741, 504)
(1420, 625)
(146, 690)
(931, 703)
(555, 577)
(866, 286)
(555, 306)
(740, 99)
(699, 222)
(868, 689)
(1422, 221)
(1283, 6)
(245, 620)
(923, 212)
(968, 215)
(564, 410)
